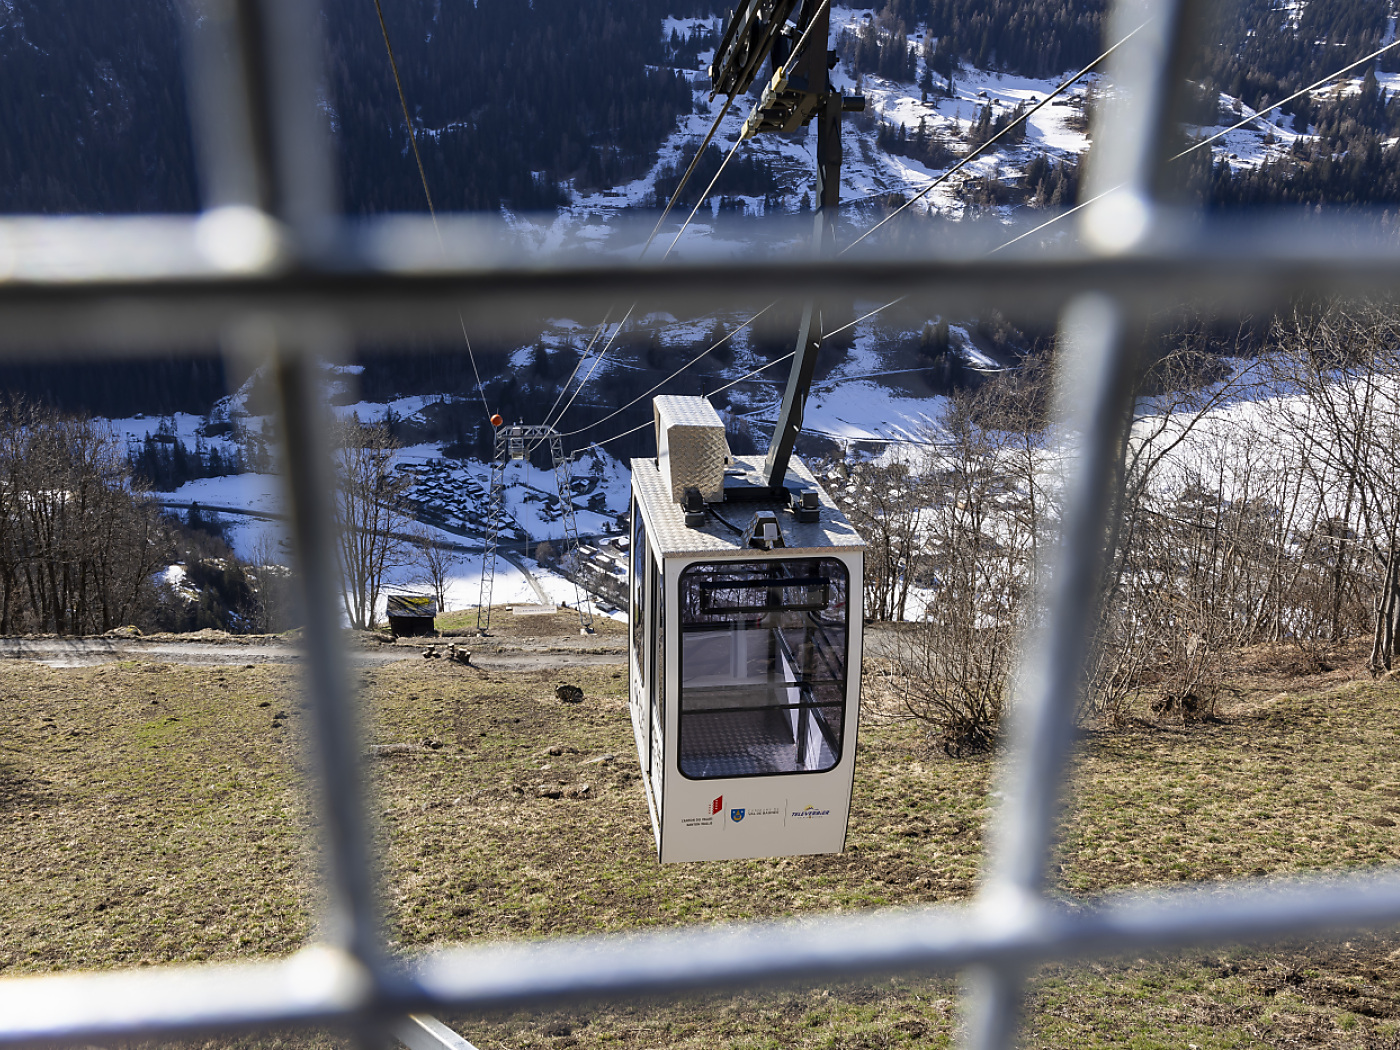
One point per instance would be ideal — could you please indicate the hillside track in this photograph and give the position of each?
(490, 655)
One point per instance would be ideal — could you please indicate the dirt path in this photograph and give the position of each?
(91, 652)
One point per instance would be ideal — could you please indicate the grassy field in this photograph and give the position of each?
(154, 813)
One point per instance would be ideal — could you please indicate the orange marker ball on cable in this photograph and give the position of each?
(496, 420)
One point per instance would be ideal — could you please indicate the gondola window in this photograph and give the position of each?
(763, 667)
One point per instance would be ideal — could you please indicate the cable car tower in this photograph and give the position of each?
(514, 443)
(746, 579)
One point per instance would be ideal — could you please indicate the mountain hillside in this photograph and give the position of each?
(530, 104)
(579, 112)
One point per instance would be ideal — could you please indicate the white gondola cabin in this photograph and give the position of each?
(745, 648)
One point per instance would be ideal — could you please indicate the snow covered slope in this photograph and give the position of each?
(868, 171)
(871, 395)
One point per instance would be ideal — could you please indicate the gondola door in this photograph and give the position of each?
(643, 648)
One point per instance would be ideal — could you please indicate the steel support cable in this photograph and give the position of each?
(694, 360)
(694, 163)
(1070, 211)
(750, 375)
(991, 141)
(1207, 141)
(858, 438)
(596, 362)
(701, 199)
(993, 251)
(1099, 196)
(615, 437)
(688, 219)
(1284, 101)
(675, 196)
(783, 75)
(427, 193)
(711, 393)
(1051, 222)
(1060, 89)
(864, 317)
(582, 357)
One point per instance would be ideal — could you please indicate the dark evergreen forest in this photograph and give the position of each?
(92, 108)
(509, 98)
(513, 99)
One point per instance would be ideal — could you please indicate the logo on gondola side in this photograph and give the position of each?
(708, 820)
(809, 812)
(736, 815)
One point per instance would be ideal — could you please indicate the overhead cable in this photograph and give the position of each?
(582, 357)
(694, 162)
(1020, 237)
(862, 317)
(596, 362)
(694, 360)
(1284, 101)
(728, 156)
(427, 193)
(1207, 141)
(675, 196)
(717, 390)
(784, 73)
(974, 154)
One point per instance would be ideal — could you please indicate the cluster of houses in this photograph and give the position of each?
(602, 570)
(448, 496)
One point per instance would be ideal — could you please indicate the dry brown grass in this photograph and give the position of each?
(154, 813)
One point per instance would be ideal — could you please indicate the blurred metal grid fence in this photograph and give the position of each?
(269, 271)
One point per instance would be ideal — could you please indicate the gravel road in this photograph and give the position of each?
(90, 652)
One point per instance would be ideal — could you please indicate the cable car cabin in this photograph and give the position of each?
(745, 649)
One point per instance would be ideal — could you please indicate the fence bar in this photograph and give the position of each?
(351, 920)
(258, 100)
(271, 272)
(1235, 272)
(321, 985)
(1092, 391)
(1095, 372)
(1137, 128)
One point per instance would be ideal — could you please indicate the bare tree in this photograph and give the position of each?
(887, 503)
(1345, 361)
(436, 561)
(78, 543)
(273, 598)
(1277, 520)
(982, 507)
(1154, 615)
(368, 496)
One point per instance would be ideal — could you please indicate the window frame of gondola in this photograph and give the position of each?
(837, 686)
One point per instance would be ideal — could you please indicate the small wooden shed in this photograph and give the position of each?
(411, 614)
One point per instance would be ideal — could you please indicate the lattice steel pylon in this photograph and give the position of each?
(515, 443)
